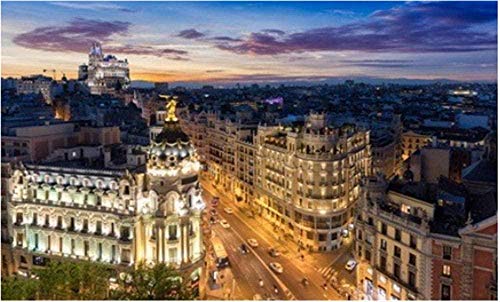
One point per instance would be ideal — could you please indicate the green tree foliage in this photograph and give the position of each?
(90, 281)
(160, 282)
(18, 288)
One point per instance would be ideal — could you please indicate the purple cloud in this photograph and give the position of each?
(225, 39)
(76, 36)
(409, 28)
(79, 33)
(190, 34)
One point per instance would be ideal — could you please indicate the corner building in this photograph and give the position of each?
(119, 216)
(307, 179)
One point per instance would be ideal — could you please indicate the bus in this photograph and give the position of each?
(221, 258)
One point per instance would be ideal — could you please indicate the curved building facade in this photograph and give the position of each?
(149, 213)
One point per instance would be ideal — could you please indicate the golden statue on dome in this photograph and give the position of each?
(170, 108)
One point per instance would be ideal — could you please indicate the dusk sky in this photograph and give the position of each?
(247, 41)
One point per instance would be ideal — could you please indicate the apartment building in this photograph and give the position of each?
(307, 179)
(418, 241)
(412, 141)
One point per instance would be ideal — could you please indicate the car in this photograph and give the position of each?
(244, 248)
(213, 212)
(273, 252)
(224, 224)
(253, 242)
(213, 220)
(228, 210)
(257, 297)
(350, 265)
(276, 267)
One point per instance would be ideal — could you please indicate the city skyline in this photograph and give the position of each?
(278, 41)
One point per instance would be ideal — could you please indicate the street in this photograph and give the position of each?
(249, 268)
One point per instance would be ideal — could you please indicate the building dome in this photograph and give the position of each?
(171, 146)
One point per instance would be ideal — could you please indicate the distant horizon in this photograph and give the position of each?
(245, 42)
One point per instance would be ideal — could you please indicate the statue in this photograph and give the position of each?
(170, 108)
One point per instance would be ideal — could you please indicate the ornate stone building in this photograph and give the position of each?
(104, 74)
(141, 211)
(307, 180)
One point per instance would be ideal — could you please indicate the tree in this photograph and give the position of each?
(17, 288)
(160, 282)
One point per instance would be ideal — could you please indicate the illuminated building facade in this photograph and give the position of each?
(147, 209)
(105, 73)
(307, 180)
(304, 181)
(418, 241)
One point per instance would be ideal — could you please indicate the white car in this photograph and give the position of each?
(228, 210)
(276, 267)
(257, 297)
(224, 224)
(350, 265)
(252, 242)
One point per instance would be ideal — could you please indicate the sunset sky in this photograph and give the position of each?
(256, 41)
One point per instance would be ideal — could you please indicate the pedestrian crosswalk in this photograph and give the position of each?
(289, 295)
(329, 273)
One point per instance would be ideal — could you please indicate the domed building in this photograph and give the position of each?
(144, 210)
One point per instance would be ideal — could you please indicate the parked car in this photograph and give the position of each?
(276, 267)
(215, 201)
(228, 210)
(224, 224)
(350, 265)
(253, 242)
(213, 220)
(273, 252)
(213, 212)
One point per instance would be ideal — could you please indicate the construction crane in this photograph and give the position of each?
(53, 73)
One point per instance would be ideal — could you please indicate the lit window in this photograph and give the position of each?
(446, 270)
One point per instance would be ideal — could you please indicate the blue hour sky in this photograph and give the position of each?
(256, 41)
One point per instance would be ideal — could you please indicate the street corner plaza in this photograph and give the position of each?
(248, 150)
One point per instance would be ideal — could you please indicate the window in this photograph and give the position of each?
(397, 235)
(19, 239)
(413, 242)
(98, 227)
(445, 292)
(413, 259)
(72, 224)
(113, 252)
(86, 247)
(370, 221)
(383, 244)
(397, 252)
(446, 270)
(172, 232)
(36, 241)
(35, 218)
(360, 235)
(412, 279)
(60, 244)
(397, 271)
(49, 243)
(19, 218)
(72, 246)
(368, 255)
(99, 251)
(47, 220)
(59, 222)
(383, 263)
(383, 229)
(124, 233)
(113, 228)
(85, 227)
(446, 252)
